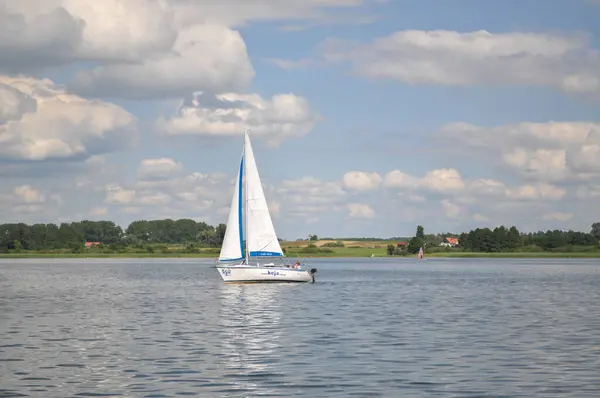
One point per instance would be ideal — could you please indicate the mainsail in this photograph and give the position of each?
(250, 205)
(261, 237)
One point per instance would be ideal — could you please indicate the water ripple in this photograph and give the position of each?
(368, 328)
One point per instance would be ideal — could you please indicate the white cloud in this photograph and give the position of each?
(452, 203)
(558, 216)
(158, 168)
(462, 199)
(24, 200)
(360, 210)
(116, 194)
(28, 194)
(536, 192)
(64, 31)
(480, 218)
(204, 57)
(153, 199)
(398, 179)
(274, 208)
(588, 191)
(309, 196)
(290, 64)
(143, 48)
(174, 49)
(566, 62)
(439, 180)
(99, 211)
(451, 209)
(361, 181)
(585, 158)
(443, 180)
(280, 117)
(553, 151)
(204, 197)
(40, 120)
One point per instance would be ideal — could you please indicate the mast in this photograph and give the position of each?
(245, 215)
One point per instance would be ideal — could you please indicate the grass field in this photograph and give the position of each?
(295, 249)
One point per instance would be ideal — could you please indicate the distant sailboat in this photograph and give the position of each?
(250, 236)
(420, 255)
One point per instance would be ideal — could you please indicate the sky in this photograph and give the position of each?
(367, 117)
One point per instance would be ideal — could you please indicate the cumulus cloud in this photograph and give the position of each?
(40, 121)
(360, 210)
(116, 194)
(480, 217)
(99, 211)
(28, 194)
(439, 180)
(536, 192)
(309, 196)
(361, 181)
(196, 195)
(584, 158)
(24, 200)
(282, 116)
(566, 62)
(558, 216)
(158, 168)
(552, 151)
(204, 57)
(65, 31)
(143, 48)
(451, 209)
(473, 197)
(442, 199)
(398, 179)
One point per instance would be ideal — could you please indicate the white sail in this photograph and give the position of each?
(232, 248)
(261, 237)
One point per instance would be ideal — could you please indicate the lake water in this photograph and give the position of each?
(367, 328)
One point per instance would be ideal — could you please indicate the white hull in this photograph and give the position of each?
(261, 274)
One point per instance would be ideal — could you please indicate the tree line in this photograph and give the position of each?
(503, 239)
(73, 235)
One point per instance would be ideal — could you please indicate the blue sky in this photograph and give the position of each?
(367, 117)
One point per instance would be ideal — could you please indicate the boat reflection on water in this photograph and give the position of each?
(250, 334)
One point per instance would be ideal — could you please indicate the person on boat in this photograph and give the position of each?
(297, 265)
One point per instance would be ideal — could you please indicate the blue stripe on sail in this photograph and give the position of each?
(230, 259)
(265, 254)
(240, 207)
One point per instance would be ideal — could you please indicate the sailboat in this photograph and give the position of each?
(251, 252)
(420, 255)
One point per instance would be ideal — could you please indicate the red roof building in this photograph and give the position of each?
(452, 242)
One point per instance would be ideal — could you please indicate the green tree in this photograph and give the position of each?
(414, 244)
(420, 233)
(513, 238)
(391, 249)
(596, 230)
(17, 245)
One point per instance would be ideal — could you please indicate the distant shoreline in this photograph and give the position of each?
(207, 256)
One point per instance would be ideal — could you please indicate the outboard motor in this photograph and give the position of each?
(313, 271)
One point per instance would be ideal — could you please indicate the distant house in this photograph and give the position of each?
(449, 242)
(91, 244)
(402, 244)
